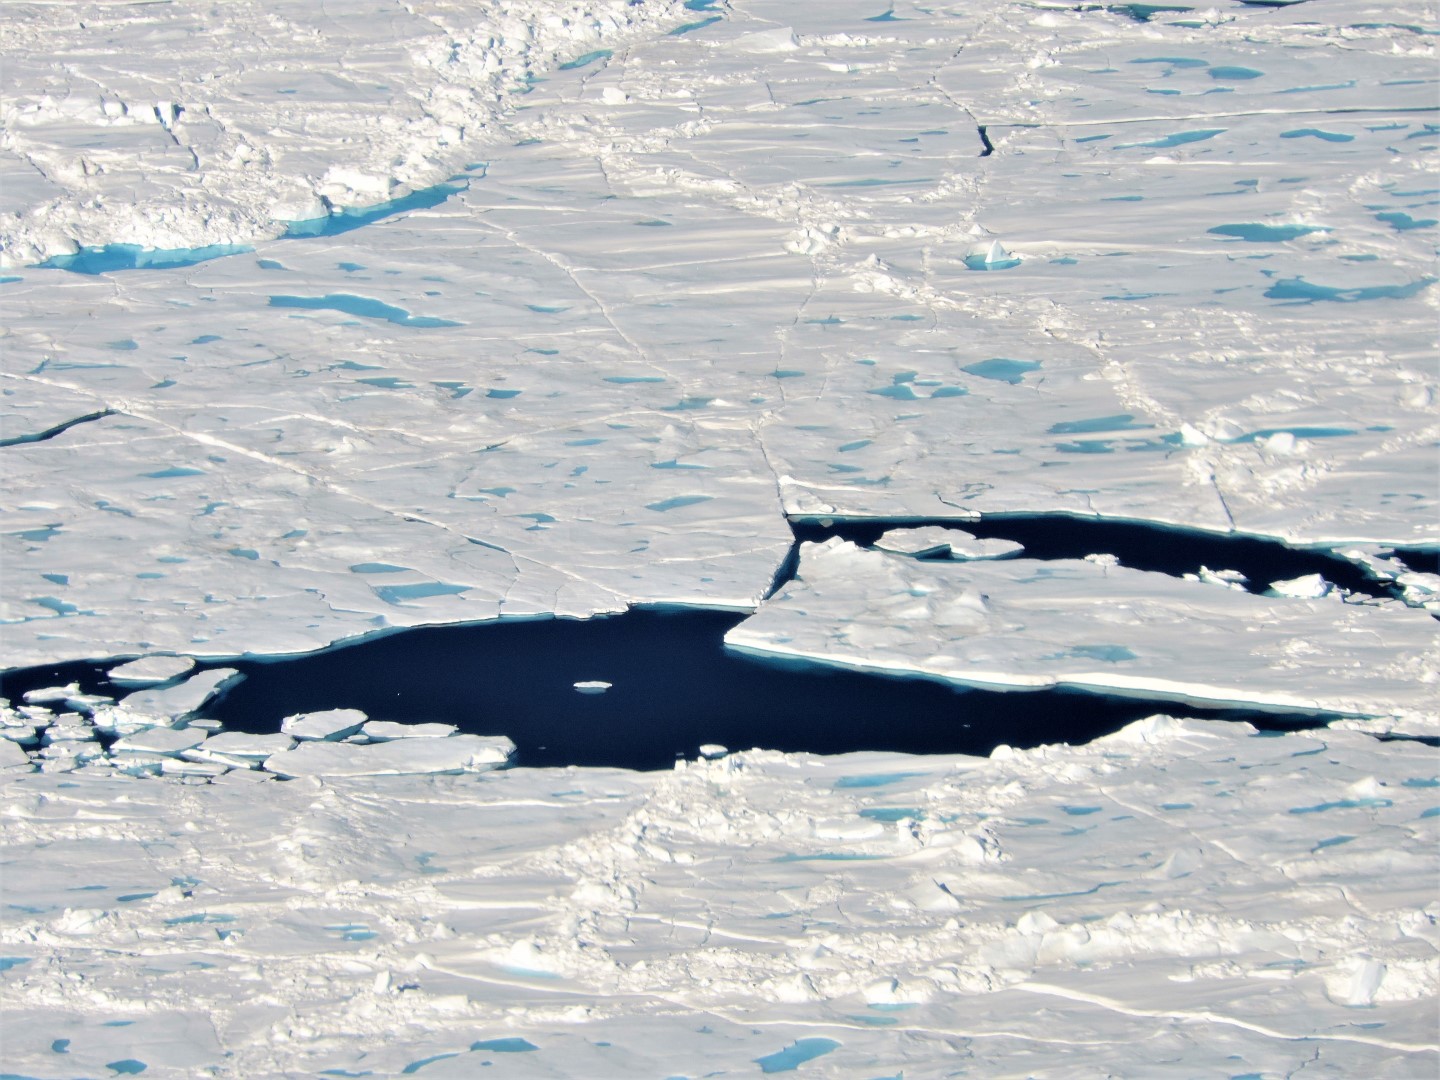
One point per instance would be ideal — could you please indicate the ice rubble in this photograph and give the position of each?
(1180, 898)
(825, 260)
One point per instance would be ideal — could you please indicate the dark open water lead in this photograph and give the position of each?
(674, 688)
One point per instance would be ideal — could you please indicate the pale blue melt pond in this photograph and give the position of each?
(363, 306)
(1110, 654)
(587, 58)
(1002, 370)
(688, 27)
(1180, 138)
(396, 594)
(980, 262)
(1343, 804)
(416, 1066)
(1258, 233)
(1316, 133)
(1298, 432)
(874, 780)
(1234, 74)
(1121, 422)
(1297, 288)
(102, 260)
(1172, 61)
(796, 1054)
(1402, 222)
(676, 503)
(343, 221)
(505, 1046)
(127, 1067)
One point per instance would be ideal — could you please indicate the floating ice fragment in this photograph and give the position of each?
(592, 686)
(165, 741)
(1308, 587)
(389, 730)
(183, 698)
(149, 670)
(402, 757)
(330, 725)
(51, 693)
(936, 541)
(241, 744)
(1229, 579)
(713, 750)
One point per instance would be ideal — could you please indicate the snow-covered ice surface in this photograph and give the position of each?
(1181, 899)
(438, 312)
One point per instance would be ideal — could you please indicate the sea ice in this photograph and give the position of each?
(329, 724)
(181, 699)
(582, 314)
(150, 669)
(400, 757)
(387, 730)
(1023, 623)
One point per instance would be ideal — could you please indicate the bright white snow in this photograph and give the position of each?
(579, 301)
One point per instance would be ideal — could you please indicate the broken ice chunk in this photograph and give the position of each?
(592, 686)
(183, 698)
(331, 725)
(149, 670)
(389, 730)
(243, 745)
(51, 693)
(164, 741)
(936, 541)
(460, 753)
(13, 756)
(1309, 587)
(1229, 579)
(713, 750)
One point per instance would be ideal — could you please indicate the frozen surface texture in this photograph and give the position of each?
(701, 280)
(327, 320)
(1181, 899)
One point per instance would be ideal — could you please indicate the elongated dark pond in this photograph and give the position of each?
(674, 687)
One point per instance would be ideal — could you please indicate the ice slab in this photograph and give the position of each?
(241, 744)
(1092, 624)
(400, 757)
(170, 742)
(328, 724)
(937, 542)
(388, 730)
(182, 698)
(150, 669)
(13, 755)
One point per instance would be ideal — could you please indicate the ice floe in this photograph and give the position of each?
(322, 326)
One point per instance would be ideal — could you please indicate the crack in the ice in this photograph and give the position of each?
(51, 432)
(1209, 1016)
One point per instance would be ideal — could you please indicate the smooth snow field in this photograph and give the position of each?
(670, 539)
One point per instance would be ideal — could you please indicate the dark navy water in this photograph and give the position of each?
(1138, 545)
(675, 688)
